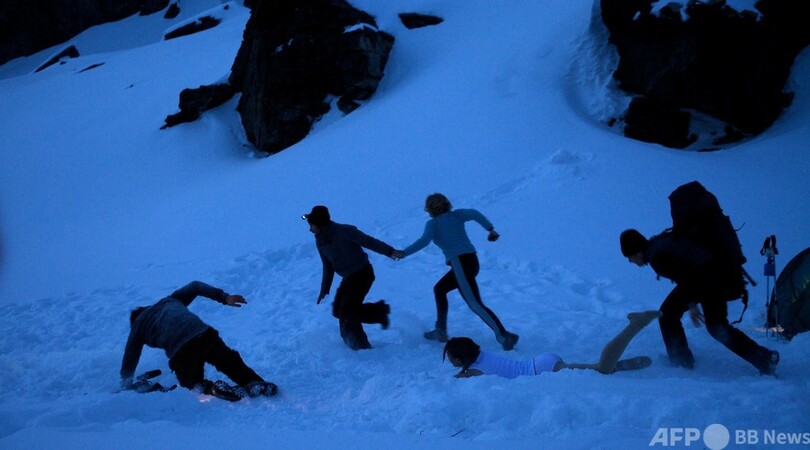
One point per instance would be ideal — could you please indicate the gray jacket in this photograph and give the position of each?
(168, 324)
(341, 250)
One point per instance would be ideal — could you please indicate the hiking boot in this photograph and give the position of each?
(682, 357)
(355, 343)
(771, 361)
(204, 387)
(219, 389)
(509, 341)
(385, 321)
(261, 388)
(436, 335)
(686, 363)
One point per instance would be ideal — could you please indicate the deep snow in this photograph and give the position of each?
(499, 107)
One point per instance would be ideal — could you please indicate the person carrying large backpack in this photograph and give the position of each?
(704, 260)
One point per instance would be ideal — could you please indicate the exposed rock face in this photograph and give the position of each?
(651, 121)
(417, 20)
(27, 27)
(201, 24)
(195, 101)
(297, 53)
(70, 52)
(730, 65)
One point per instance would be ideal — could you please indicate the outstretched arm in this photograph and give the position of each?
(373, 244)
(189, 292)
(132, 354)
(474, 214)
(422, 242)
(326, 279)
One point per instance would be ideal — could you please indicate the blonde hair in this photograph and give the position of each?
(437, 204)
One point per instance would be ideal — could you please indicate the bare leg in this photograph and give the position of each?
(614, 349)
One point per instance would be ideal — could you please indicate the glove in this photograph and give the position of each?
(493, 236)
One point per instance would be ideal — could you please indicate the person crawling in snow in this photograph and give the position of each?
(464, 353)
(190, 343)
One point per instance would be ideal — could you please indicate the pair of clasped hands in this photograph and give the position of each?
(396, 255)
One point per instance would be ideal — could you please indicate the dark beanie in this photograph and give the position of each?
(632, 242)
(319, 216)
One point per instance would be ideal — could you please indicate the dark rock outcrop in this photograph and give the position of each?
(417, 20)
(201, 24)
(297, 53)
(153, 6)
(296, 56)
(730, 65)
(27, 27)
(172, 11)
(194, 101)
(70, 52)
(649, 120)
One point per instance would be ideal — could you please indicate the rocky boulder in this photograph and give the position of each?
(27, 27)
(709, 58)
(296, 55)
(69, 52)
(418, 20)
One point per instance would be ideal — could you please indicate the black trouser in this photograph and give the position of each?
(352, 313)
(715, 311)
(461, 276)
(207, 347)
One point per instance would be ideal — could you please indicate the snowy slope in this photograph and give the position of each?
(498, 108)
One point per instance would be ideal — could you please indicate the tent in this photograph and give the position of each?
(790, 300)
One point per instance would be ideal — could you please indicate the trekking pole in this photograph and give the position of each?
(769, 251)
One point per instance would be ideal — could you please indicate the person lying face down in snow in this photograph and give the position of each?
(463, 352)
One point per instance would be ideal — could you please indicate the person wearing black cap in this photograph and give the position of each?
(698, 280)
(341, 249)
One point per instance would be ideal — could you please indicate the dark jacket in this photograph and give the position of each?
(680, 260)
(341, 249)
(691, 265)
(168, 324)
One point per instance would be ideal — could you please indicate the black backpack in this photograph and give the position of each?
(697, 216)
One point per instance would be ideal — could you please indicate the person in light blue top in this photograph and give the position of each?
(464, 353)
(446, 229)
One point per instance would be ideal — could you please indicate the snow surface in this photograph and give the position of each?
(500, 107)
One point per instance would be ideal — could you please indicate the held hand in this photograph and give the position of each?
(493, 235)
(396, 255)
(235, 300)
(696, 316)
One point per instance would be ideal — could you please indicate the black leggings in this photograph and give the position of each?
(207, 347)
(461, 276)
